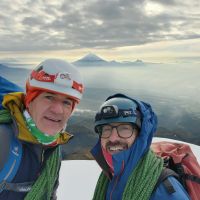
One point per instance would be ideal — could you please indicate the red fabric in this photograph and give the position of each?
(33, 92)
(108, 158)
(30, 95)
(181, 153)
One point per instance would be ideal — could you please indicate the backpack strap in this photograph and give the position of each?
(27, 186)
(16, 187)
(14, 156)
(191, 178)
(163, 178)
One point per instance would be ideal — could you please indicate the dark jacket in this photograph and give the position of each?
(31, 164)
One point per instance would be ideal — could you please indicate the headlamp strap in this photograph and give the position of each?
(127, 113)
(113, 112)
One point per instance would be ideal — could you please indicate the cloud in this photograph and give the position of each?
(79, 112)
(64, 25)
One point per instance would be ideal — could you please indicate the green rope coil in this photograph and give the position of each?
(5, 116)
(44, 185)
(140, 183)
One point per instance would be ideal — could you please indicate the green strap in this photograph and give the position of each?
(44, 185)
(5, 116)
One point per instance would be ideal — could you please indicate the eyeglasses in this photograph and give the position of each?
(123, 130)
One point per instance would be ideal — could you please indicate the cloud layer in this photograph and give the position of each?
(65, 25)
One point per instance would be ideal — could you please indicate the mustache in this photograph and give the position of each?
(117, 143)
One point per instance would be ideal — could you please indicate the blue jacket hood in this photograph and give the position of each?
(128, 159)
(144, 139)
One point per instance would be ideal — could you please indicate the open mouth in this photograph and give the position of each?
(115, 148)
(52, 119)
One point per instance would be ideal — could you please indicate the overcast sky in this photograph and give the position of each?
(114, 29)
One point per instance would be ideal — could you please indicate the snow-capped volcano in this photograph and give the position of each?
(92, 57)
(94, 60)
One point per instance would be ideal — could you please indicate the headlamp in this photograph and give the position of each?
(109, 111)
(113, 111)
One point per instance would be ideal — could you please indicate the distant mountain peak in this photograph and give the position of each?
(139, 61)
(91, 57)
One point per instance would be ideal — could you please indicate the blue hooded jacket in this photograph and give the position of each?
(124, 162)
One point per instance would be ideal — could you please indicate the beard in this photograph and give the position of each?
(116, 146)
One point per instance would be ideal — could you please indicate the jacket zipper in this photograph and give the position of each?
(116, 180)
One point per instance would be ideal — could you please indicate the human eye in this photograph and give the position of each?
(49, 96)
(67, 102)
(125, 127)
(106, 128)
(106, 131)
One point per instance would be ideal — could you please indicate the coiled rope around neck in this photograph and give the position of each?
(141, 181)
(44, 185)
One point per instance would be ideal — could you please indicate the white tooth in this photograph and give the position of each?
(116, 148)
(56, 120)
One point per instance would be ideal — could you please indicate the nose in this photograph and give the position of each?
(57, 107)
(114, 135)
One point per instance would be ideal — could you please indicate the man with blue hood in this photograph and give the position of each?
(130, 170)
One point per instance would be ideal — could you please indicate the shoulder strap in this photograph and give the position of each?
(191, 178)
(25, 186)
(166, 172)
(16, 187)
(12, 164)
